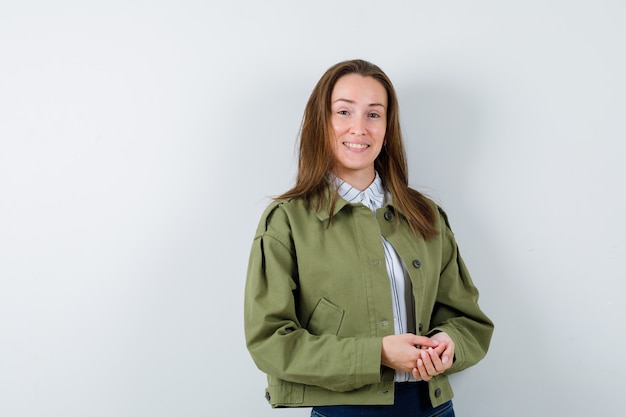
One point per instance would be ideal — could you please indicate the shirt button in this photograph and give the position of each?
(388, 215)
(267, 396)
(420, 327)
(438, 392)
(417, 263)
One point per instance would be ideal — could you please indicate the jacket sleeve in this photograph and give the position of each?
(456, 310)
(275, 337)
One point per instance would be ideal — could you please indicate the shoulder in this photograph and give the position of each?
(442, 216)
(439, 215)
(279, 214)
(428, 203)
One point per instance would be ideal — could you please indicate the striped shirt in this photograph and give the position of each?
(374, 197)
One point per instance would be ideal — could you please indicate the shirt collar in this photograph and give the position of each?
(372, 197)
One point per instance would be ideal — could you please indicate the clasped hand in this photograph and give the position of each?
(423, 356)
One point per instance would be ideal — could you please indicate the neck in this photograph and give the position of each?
(358, 179)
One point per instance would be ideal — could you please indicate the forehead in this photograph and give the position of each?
(359, 88)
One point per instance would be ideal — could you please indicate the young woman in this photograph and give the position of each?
(357, 301)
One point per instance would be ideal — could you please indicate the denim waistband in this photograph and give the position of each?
(411, 399)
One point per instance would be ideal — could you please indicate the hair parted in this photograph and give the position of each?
(316, 159)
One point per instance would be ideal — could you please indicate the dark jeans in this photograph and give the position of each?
(410, 400)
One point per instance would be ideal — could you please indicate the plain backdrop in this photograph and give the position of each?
(141, 140)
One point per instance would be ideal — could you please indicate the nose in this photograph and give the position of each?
(357, 127)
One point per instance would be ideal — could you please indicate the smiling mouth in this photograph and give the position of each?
(356, 145)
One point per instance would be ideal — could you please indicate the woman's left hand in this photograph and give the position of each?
(435, 361)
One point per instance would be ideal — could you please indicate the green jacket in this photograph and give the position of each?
(318, 302)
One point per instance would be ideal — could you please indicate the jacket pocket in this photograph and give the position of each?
(326, 318)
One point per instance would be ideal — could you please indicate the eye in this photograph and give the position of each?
(343, 112)
(374, 115)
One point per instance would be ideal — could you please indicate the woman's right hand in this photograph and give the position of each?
(401, 351)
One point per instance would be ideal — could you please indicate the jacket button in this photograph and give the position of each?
(438, 392)
(417, 263)
(388, 215)
(267, 396)
(420, 327)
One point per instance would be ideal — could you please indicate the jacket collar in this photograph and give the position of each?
(323, 213)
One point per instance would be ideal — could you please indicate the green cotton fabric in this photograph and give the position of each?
(318, 302)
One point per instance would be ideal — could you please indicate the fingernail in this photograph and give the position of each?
(445, 359)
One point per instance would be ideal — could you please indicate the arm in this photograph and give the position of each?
(277, 340)
(456, 312)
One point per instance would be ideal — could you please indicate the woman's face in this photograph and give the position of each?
(358, 121)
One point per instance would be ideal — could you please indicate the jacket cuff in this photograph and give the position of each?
(368, 361)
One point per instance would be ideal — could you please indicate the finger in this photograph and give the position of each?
(428, 363)
(441, 347)
(422, 371)
(448, 356)
(436, 360)
(423, 341)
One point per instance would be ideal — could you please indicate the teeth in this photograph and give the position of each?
(355, 145)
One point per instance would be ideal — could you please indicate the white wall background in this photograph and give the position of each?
(140, 139)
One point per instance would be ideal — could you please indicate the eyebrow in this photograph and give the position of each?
(353, 102)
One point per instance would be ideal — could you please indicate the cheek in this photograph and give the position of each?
(337, 128)
(380, 132)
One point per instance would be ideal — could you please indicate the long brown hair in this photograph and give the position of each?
(316, 159)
